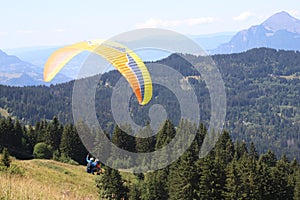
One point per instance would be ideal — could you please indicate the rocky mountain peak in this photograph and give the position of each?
(282, 21)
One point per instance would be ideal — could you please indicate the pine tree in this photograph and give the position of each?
(240, 149)
(111, 185)
(7, 132)
(264, 181)
(135, 192)
(152, 187)
(17, 134)
(2, 131)
(157, 182)
(87, 136)
(31, 138)
(71, 145)
(163, 137)
(183, 177)
(294, 164)
(5, 158)
(53, 134)
(41, 131)
(125, 142)
(252, 152)
(101, 148)
(212, 179)
(233, 187)
(67, 141)
(269, 158)
(282, 187)
(297, 186)
(201, 133)
(157, 185)
(247, 167)
(144, 145)
(224, 149)
(147, 144)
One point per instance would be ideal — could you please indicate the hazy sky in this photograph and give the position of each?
(57, 22)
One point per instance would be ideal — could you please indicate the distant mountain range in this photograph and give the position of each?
(15, 72)
(280, 31)
(212, 41)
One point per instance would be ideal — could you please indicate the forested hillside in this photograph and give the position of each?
(262, 88)
(232, 170)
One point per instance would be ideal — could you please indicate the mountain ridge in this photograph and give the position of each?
(282, 20)
(16, 72)
(261, 95)
(280, 31)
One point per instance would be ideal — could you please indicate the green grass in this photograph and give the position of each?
(47, 179)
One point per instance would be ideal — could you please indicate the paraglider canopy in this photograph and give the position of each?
(121, 57)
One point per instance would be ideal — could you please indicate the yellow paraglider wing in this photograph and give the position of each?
(122, 58)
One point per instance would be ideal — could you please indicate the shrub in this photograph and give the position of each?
(56, 155)
(42, 151)
(16, 170)
(5, 158)
(63, 158)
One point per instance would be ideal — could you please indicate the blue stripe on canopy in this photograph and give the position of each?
(138, 73)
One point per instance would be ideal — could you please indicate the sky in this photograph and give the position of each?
(59, 22)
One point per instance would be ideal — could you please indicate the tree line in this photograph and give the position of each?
(47, 139)
(230, 171)
(261, 88)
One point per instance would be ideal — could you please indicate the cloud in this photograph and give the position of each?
(293, 12)
(155, 23)
(204, 20)
(3, 33)
(26, 31)
(59, 30)
(244, 16)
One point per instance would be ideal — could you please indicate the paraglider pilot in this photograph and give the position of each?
(92, 166)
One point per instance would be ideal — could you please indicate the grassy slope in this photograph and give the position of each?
(47, 179)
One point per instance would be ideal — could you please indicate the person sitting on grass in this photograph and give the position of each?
(97, 168)
(90, 164)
